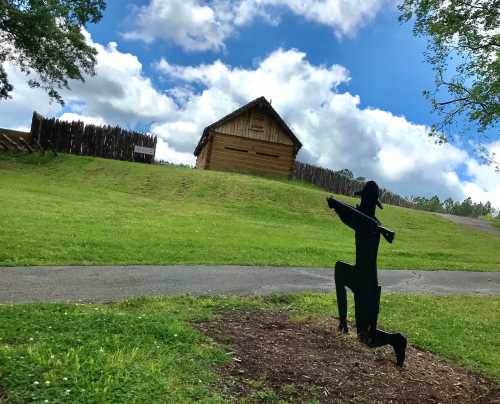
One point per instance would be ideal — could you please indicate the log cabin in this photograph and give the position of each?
(253, 139)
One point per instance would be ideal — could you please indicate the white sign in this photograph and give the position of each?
(144, 150)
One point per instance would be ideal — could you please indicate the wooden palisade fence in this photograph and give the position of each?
(90, 140)
(337, 183)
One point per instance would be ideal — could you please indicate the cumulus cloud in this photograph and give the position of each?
(483, 185)
(198, 25)
(119, 92)
(17, 111)
(166, 153)
(345, 17)
(189, 23)
(88, 120)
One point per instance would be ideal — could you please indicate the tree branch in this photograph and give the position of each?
(453, 101)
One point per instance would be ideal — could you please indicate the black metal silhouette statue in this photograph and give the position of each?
(362, 277)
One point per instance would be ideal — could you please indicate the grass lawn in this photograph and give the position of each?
(81, 210)
(146, 350)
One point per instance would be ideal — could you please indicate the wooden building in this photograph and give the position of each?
(253, 138)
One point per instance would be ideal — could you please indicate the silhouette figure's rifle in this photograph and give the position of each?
(349, 214)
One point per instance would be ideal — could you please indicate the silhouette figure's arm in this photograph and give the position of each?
(357, 220)
(352, 217)
(346, 215)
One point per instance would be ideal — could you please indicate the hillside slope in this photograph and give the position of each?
(81, 210)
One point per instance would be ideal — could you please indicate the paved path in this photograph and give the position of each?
(478, 224)
(104, 284)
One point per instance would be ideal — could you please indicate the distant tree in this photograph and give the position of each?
(45, 37)
(448, 205)
(435, 204)
(480, 209)
(430, 204)
(362, 179)
(467, 31)
(346, 172)
(466, 208)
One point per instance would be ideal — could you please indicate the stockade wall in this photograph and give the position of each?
(90, 140)
(337, 183)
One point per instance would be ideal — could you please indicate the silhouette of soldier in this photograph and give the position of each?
(362, 277)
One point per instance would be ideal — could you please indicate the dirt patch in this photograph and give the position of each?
(275, 358)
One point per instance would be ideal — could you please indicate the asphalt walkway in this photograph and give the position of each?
(105, 284)
(478, 224)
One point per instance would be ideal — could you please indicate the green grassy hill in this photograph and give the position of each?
(81, 210)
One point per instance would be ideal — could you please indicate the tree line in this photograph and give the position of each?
(465, 208)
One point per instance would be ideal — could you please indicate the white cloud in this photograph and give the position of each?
(483, 186)
(119, 93)
(17, 111)
(88, 120)
(198, 25)
(345, 17)
(189, 23)
(166, 153)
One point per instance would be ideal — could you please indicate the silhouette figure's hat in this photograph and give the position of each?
(371, 192)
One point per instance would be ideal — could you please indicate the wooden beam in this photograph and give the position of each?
(209, 150)
(25, 144)
(12, 142)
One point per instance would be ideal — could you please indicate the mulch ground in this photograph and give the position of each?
(310, 360)
(3, 395)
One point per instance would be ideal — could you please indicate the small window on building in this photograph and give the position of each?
(257, 122)
(235, 149)
(267, 154)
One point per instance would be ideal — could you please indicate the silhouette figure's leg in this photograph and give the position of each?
(373, 337)
(344, 276)
(366, 308)
(396, 340)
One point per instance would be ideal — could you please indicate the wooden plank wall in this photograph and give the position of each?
(255, 124)
(234, 153)
(201, 159)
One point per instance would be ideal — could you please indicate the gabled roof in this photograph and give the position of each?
(261, 102)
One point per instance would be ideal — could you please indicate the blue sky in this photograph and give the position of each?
(346, 76)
